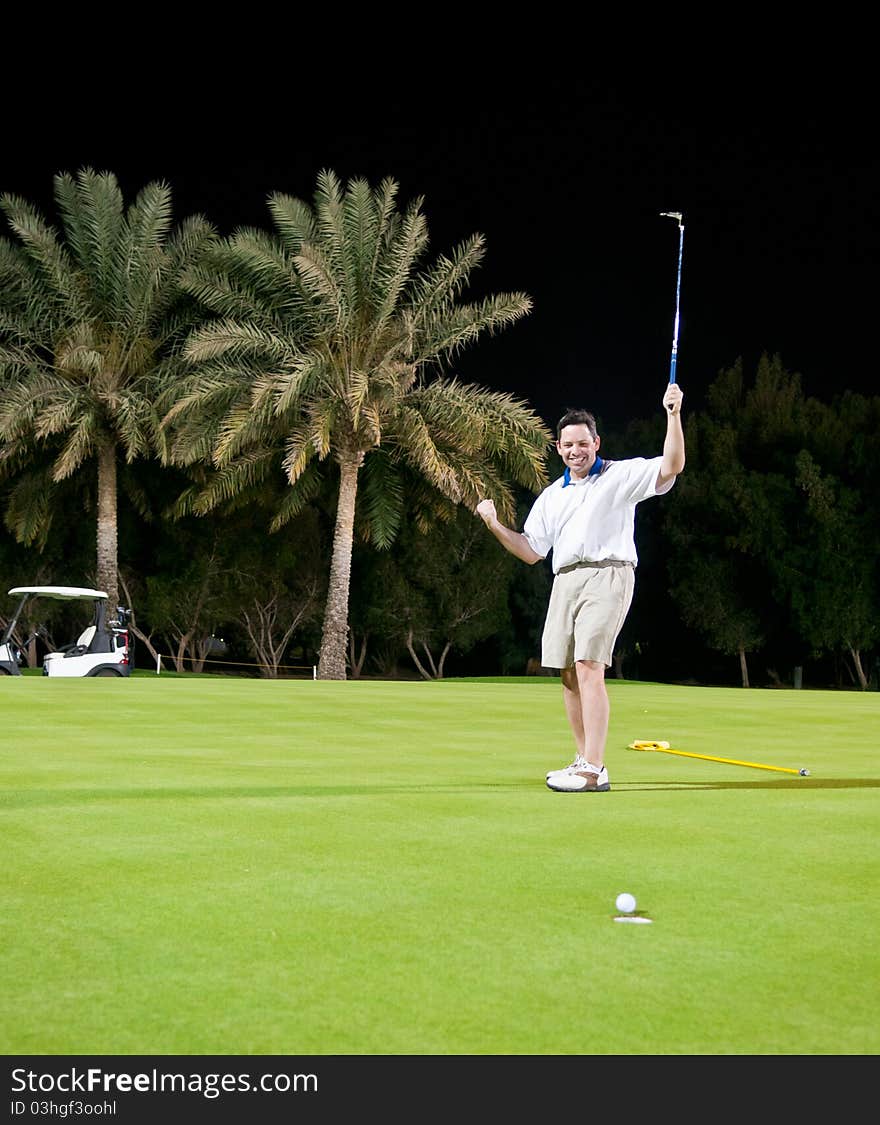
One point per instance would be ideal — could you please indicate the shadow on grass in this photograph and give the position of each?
(794, 783)
(31, 798)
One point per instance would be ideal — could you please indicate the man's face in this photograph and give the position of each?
(578, 448)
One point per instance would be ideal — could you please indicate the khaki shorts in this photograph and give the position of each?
(588, 606)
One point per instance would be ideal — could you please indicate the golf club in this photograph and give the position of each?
(663, 747)
(674, 359)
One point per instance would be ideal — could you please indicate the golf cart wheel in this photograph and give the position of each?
(106, 672)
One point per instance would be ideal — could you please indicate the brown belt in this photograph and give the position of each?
(604, 562)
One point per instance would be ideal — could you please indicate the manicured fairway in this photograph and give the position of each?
(224, 866)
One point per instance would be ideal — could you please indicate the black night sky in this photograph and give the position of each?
(778, 186)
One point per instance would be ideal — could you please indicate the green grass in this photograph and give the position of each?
(224, 866)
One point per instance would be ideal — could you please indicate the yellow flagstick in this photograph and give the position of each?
(663, 747)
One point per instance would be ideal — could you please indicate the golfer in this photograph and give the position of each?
(587, 519)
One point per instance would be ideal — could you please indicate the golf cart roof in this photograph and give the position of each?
(62, 593)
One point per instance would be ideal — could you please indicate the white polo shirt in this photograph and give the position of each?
(593, 520)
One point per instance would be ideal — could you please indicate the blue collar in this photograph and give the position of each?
(594, 471)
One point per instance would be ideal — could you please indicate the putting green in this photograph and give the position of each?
(224, 866)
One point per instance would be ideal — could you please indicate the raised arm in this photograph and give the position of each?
(513, 541)
(673, 446)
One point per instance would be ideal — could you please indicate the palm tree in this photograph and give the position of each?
(88, 317)
(329, 348)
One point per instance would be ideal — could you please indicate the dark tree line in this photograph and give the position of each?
(760, 568)
(769, 545)
(267, 435)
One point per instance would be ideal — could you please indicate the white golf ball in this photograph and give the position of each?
(625, 903)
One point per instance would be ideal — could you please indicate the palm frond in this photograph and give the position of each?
(78, 359)
(241, 427)
(27, 310)
(294, 221)
(203, 394)
(444, 282)
(321, 414)
(152, 288)
(140, 257)
(58, 407)
(77, 448)
(247, 277)
(370, 424)
(28, 514)
(148, 221)
(257, 260)
(137, 424)
(189, 242)
(445, 334)
(47, 256)
(315, 270)
(360, 220)
(18, 409)
(226, 296)
(245, 473)
(352, 223)
(328, 208)
(417, 445)
(191, 444)
(15, 359)
(298, 381)
(172, 326)
(241, 482)
(236, 341)
(382, 495)
(16, 456)
(384, 199)
(297, 497)
(298, 452)
(492, 425)
(94, 237)
(425, 505)
(356, 395)
(399, 259)
(477, 479)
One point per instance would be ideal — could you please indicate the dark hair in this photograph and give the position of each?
(574, 417)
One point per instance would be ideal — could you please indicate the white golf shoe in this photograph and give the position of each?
(584, 779)
(577, 764)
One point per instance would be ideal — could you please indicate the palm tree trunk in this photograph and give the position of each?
(334, 637)
(107, 577)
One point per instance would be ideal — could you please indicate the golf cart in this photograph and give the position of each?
(102, 649)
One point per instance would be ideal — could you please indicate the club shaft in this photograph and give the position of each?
(674, 358)
(729, 761)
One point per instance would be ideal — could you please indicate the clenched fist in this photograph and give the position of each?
(672, 398)
(486, 511)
